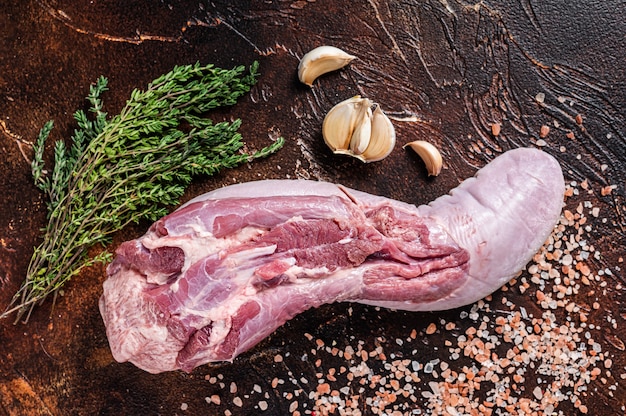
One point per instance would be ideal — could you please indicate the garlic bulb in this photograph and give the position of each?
(429, 154)
(321, 60)
(353, 128)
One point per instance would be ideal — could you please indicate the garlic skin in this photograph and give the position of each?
(429, 154)
(352, 128)
(322, 60)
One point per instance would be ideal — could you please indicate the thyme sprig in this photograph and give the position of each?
(130, 167)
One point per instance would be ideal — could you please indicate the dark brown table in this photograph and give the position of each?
(446, 72)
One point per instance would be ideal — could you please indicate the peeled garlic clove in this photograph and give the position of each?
(383, 137)
(321, 60)
(429, 154)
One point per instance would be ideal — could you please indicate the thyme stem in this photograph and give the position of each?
(131, 167)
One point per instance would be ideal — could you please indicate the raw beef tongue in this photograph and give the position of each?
(215, 277)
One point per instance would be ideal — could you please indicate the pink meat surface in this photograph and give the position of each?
(218, 275)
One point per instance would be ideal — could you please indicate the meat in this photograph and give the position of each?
(218, 275)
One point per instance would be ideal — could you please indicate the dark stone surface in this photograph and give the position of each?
(444, 70)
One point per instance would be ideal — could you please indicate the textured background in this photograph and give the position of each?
(445, 71)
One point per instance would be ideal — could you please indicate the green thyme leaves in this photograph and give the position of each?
(130, 167)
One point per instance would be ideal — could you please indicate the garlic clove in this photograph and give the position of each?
(322, 60)
(361, 136)
(339, 124)
(383, 137)
(352, 128)
(429, 154)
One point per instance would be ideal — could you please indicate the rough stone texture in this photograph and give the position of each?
(444, 70)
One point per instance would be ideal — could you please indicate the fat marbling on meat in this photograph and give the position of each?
(215, 277)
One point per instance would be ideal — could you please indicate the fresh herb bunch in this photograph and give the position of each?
(129, 168)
